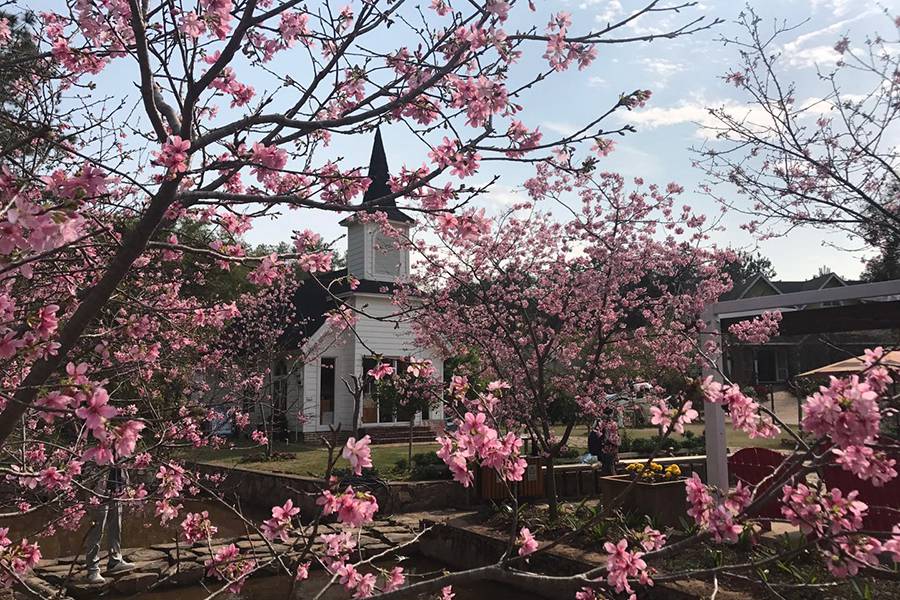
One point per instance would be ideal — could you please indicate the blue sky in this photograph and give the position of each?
(684, 75)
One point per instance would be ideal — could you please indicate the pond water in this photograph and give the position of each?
(140, 527)
(277, 588)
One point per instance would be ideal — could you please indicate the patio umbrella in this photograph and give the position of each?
(890, 360)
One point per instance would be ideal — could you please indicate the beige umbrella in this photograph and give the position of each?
(854, 365)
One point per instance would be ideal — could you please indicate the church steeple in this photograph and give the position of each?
(379, 174)
(380, 186)
(370, 254)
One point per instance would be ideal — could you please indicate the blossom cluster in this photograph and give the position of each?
(744, 411)
(227, 564)
(757, 330)
(711, 514)
(351, 507)
(476, 441)
(847, 414)
(673, 419)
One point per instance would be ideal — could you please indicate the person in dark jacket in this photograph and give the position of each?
(603, 442)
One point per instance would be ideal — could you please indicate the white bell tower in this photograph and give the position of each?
(372, 255)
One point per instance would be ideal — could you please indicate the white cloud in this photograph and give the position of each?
(501, 197)
(595, 81)
(696, 112)
(612, 9)
(804, 58)
(565, 129)
(806, 50)
(662, 69)
(838, 7)
(658, 116)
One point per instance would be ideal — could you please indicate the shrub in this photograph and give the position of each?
(426, 458)
(427, 466)
(429, 472)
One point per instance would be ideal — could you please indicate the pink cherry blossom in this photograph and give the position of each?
(526, 542)
(97, 411)
(174, 154)
(380, 371)
(278, 527)
(757, 330)
(358, 454)
(394, 580)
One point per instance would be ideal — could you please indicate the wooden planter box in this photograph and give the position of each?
(665, 501)
(531, 486)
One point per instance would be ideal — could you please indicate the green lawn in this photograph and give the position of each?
(735, 439)
(311, 460)
(308, 459)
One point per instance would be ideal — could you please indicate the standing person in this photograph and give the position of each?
(603, 442)
(107, 516)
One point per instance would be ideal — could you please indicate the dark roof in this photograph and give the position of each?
(784, 287)
(380, 188)
(312, 302)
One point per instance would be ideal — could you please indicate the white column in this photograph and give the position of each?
(714, 414)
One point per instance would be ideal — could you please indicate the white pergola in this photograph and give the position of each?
(716, 448)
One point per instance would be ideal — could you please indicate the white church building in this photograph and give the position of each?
(316, 389)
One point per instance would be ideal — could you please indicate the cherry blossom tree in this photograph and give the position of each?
(133, 119)
(826, 160)
(140, 119)
(569, 312)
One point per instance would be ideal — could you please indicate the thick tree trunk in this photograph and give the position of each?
(132, 247)
(550, 488)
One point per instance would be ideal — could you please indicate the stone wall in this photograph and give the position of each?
(464, 544)
(262, 489)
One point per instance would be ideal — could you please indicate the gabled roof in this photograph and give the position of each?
(782, 287)
(380, 187)
(740, 288)
(313, 301)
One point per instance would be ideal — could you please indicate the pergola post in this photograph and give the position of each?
(714, 414)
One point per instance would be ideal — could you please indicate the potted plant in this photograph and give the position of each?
(652, 490)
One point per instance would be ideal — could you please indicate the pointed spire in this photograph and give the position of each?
(380, 186)
(379, 174)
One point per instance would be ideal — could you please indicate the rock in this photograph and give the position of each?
(374, 549)
(62, 573)
(82, 590)
(248, 544)
(187, 573)
(386, 529)
(167, 546)
(43, 588)
(135, 582)
(155, 567)
(47, 562)
(180, 554)
(145, 555)
(399, 538)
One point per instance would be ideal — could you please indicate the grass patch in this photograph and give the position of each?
(734, 439)
(309, 460)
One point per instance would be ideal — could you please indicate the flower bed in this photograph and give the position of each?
(655, 492)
